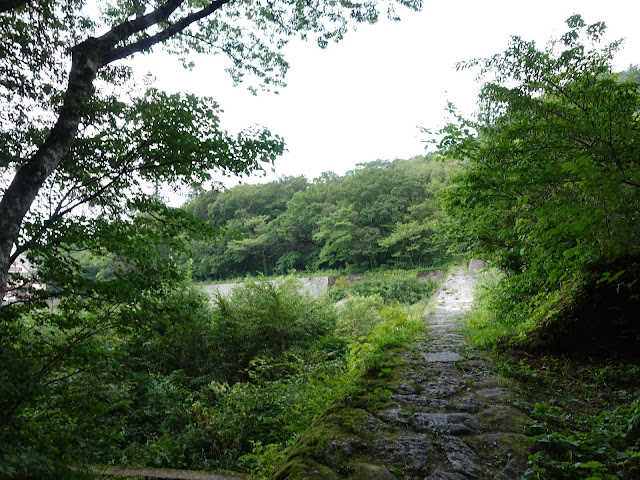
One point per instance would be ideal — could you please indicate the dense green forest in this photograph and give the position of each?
(382, 214)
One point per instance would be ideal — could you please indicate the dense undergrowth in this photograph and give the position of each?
(233, 386)
(228, 386)
(575, 351)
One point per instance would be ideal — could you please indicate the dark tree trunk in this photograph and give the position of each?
(28, 180)
(7, 5)
(87, 58)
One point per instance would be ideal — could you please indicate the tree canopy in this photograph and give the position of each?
(72, 123)
(551, 177)
(383, 213)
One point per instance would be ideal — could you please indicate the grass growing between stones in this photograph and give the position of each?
(338, 441)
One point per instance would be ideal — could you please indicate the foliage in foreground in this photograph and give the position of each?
(586, 416)
(224, 387)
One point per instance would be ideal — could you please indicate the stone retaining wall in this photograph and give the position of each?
(315, 286)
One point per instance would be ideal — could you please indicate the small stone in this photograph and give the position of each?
(440, 404)
(470, 404)
(461, 456)
(410, 399)
(404, 389)
(452, 423)
(396, 415)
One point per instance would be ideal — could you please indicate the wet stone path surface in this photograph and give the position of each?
(457, 411)
(448, 416)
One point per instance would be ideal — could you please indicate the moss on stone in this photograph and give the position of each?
(503, 418)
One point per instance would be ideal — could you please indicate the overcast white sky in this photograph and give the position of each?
(363, 98)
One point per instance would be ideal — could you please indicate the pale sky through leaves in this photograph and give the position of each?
(363, 98)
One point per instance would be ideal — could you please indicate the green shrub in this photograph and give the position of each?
(225, 422)
(407, 289)
(394, 329)
(393, 287)
(266, 318)
(358, 315)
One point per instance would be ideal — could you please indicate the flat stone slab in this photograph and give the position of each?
(446, 356)
(440, 475)
(452, 423)
(470, 403)
(444, 387)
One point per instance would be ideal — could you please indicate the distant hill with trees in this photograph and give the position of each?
(381, 214)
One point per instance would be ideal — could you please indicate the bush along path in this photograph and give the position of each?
(436, 410)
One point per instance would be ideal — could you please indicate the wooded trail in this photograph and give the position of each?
(449, 415)
(462, 398)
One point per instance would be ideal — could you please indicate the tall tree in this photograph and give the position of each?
(58, 75)
(78, 141)
(551, 176)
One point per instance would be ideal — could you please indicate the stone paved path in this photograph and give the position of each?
(449, 415)
(455, 408)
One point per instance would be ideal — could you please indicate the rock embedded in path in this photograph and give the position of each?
(452, 423)
(445, 356)
(410, 453)
(461, 457)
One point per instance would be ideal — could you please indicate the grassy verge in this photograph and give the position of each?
(586, 415)
(586, 408)
(375, 361)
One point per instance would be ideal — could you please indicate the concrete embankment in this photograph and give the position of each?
(163, 473)
(314, 286)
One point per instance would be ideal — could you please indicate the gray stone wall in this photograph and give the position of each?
(315, 286)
